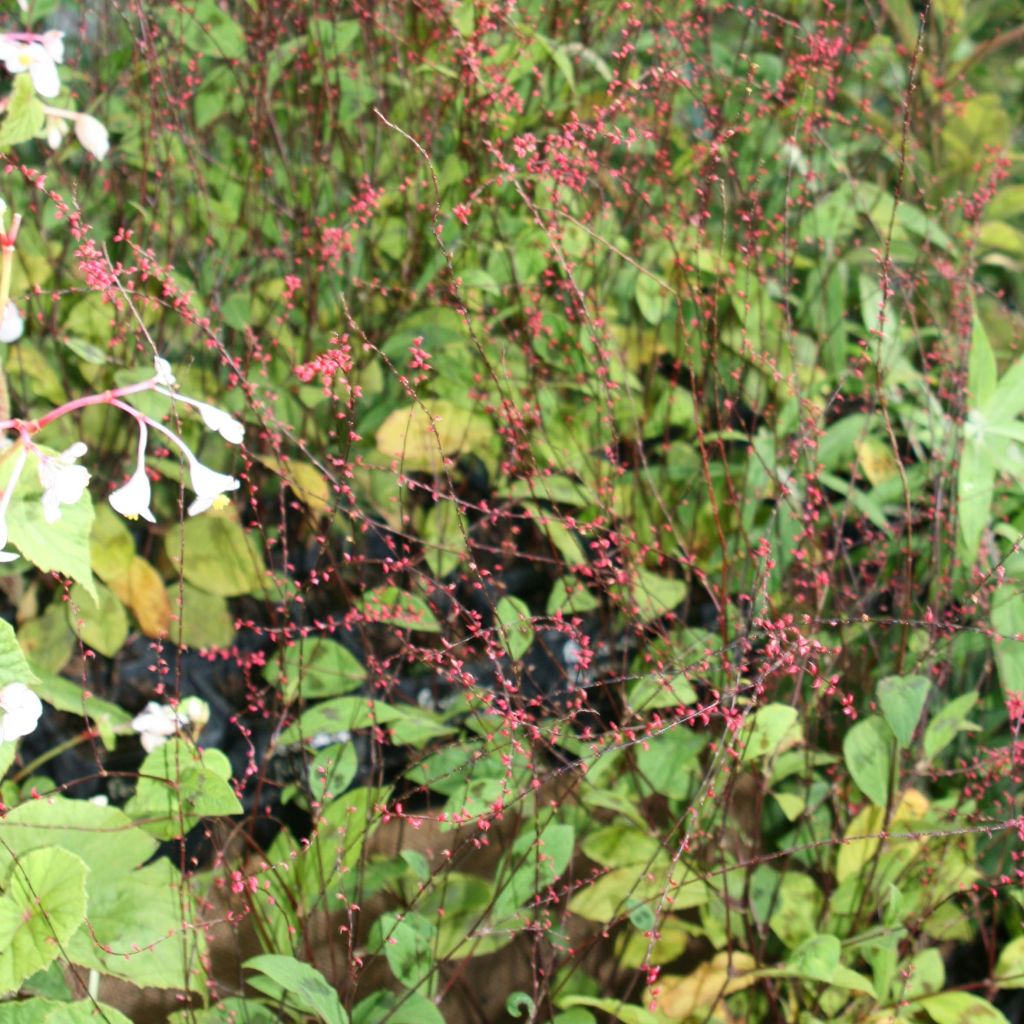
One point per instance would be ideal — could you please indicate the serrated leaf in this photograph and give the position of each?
(25, 114)
(62, 546)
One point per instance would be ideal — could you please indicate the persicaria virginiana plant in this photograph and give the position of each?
(511, 511)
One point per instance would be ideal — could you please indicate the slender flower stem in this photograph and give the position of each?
(103, 398)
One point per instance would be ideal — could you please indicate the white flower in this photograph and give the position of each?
(21, 709)
(63, 482)
(164, 374)
(92, 135)
(208, 484)
(156, 724)
(53, 43)
(36, 59)
(5, 501)
(229, 428)
(56, 129)
(215, 419)
(12, 326)
(132, 500)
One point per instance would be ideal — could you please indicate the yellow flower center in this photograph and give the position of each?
(220, 502)
(25, 59)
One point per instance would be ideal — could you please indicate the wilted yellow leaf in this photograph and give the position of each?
(142, 590)
(877, 460)
(308, 483)
(680, 996)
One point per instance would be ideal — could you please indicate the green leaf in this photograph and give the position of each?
(341, 714)
(389, 604)
(14, 667)
(42, 906)
(770, 727)
(391, 1008)
(304, 986)
(902, 699)
(178, 786)
(443, 541)
(205, 29)
(62, 546)
(219, 556)
(517, 632)
(314, 668)
(654, 691)
(797, 907)
(25, 114)
(203, 620)
(423, 438)
(652, 298)
(101, 625)
(868, 752)
(406, 941)
(961, 1008)
(48, 641)
(1007, 614)
(1009, 972)
(975, 486)
(111, 547)
(952, 719)
(655, 595)
(816, 958)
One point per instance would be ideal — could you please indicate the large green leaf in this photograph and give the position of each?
(42, 906)
(215, 554)
(302, 986)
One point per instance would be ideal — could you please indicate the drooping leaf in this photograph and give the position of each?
(868, 753)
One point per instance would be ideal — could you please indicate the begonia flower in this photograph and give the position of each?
(132, 500)
(37, 59)
(20, 710)
(63, 481)
(12, 324)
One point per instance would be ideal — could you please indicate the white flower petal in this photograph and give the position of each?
(63, 482)
(92, 135)
(12, 326)
(164, 374)
(227, 426)
(208, 485)
(132, 500)
(53, 43)
(21, 709)
(41, 70)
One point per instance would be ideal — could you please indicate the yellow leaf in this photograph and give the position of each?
(877, 461)
(142, 590)
(308, 483)
(408, 434)
(680, 996)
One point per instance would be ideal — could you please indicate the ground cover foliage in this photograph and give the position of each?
(552, 547)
